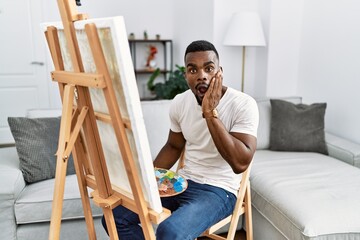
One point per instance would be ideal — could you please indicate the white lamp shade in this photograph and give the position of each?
(245, 30)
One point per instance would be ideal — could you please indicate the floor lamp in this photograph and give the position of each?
(244, 30)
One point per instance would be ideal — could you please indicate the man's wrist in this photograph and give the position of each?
(210, 114)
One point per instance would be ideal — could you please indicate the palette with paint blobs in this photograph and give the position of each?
(169, 183)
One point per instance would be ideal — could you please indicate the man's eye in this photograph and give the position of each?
(192, 70)
(209, 69)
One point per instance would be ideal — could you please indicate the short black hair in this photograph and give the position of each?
(199, 46)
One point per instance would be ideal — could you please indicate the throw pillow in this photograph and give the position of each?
(36, 141)
(297, 127)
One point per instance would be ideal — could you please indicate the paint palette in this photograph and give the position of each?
(169, 183)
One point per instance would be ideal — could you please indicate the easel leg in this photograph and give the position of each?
(79, 166)
(109, 218)
(79, 159)
(248, 213)
(61, 163)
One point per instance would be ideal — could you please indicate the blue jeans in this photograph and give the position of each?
(193, 211)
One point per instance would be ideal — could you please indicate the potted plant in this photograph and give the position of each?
(175, 84)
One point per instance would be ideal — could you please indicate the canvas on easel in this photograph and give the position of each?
(115, 45)
(102, 122)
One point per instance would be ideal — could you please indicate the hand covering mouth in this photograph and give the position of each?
(201, 89)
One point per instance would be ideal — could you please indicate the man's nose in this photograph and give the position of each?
(202, 75)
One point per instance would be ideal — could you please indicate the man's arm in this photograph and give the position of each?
(236, 148)
(171, 151)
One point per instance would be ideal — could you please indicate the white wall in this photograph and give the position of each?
(191, 24)
(313, 51)
(283, 47)
(155, 16)
(329, 69)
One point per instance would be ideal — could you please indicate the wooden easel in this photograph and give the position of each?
(79, 134)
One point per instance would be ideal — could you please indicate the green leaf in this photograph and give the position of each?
(175, 84)
(154, 75)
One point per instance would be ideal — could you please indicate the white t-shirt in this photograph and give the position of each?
(203, 163)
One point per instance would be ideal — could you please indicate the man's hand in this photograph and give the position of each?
(213, 94)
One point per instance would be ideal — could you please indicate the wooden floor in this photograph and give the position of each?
(240, 235)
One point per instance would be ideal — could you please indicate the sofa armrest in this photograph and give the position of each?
(11, 185)
(343, 149)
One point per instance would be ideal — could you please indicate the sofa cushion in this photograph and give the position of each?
(36, 142)
(263, 137)
(306, 195)
(297, 127)
(34, 204)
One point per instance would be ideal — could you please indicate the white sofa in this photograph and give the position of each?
(305, 195)
(294, 195)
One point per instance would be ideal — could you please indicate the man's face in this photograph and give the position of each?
(201, 67)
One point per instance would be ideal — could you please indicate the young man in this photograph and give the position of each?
(217, 127)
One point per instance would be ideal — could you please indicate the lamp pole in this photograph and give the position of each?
(244, 30)
(243, 69)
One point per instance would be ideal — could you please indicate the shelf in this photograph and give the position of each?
(167, 48)
(139, 50)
